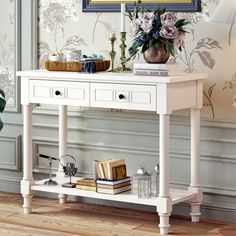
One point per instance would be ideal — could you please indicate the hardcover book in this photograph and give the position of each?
(87, 182)
(113, 182)
(150, 72)
(107, 186)
(156, 66)
(113, 163)
(104, 168)
(119, 172)
(114, 191)
(86, 188)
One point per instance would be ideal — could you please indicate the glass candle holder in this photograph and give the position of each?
(141, 183)
(155, 181)
(144, 186)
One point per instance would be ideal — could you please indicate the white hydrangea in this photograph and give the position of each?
(55, 13)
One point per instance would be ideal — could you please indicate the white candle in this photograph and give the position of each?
(122, 19)
(113, 35)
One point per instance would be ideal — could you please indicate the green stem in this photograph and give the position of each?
(210, 103)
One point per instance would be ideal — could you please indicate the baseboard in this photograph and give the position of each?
(207, 212)
(10, 185)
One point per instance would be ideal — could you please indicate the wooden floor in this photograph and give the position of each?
(51, 219)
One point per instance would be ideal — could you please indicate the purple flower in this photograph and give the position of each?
(142, 39)
(155, 34)
(169, 32)
(168, 18)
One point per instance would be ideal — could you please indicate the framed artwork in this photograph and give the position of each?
(114, 5)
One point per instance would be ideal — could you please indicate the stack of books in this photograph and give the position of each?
(115, 186)
(87, 184)
(156, 69)
(114, 169)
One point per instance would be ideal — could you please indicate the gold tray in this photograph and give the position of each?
(74, 66)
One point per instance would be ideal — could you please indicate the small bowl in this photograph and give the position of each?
(72, 52)
(57, 58)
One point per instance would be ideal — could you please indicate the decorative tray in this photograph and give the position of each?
(74, 66)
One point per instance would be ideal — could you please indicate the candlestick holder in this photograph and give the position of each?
(112, 53)
(123, 46)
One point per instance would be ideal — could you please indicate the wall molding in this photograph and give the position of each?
(117, 114)
(113, 131)
(219, 213)
(138, 151)
(16, 146)
(210, 156)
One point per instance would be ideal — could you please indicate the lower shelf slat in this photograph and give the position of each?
(177, 195)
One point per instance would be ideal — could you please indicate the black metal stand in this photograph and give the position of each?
(50, 182)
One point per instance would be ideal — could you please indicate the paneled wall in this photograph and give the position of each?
(101, 134)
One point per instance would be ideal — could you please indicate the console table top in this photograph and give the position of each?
(111, 77)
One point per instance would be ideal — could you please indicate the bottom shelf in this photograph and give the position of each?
(177, 195)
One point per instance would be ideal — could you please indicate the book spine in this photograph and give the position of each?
(151, 72)
(113, 182)
(97, 170)
(100, 166)
(86, 188)
(114, 191)
(86, 184)
(109, 171)
(106, 186)
(95, 174)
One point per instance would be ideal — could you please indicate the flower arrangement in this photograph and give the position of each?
(155, 28)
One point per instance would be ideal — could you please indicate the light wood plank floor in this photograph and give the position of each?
(51, 219)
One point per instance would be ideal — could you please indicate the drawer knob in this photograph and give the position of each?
(121, 96)
(57, 93)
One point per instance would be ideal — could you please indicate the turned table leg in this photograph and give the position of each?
(195, 165)
(27, 180)
(62, 145)
(164, 206)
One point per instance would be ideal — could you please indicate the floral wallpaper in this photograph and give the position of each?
(7, 50)
(62, 25)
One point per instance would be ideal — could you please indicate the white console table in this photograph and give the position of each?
(162, 95)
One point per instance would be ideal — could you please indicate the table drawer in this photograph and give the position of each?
(59, 92)
(141, 97)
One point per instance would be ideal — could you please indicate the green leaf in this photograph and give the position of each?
(152, 42)
(180, 23)
(157, 44)
(145, 47)
(1, 125)
(172, 51)
(2, 101)
(210, 90)
(129, 14)
(2, 93)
